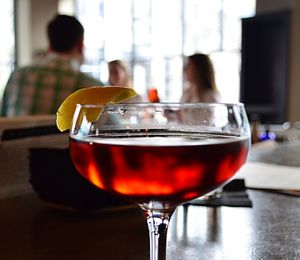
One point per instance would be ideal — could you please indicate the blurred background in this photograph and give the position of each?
(254, 45)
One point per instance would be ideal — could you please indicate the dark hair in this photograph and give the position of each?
(205, 70)
(64, 32)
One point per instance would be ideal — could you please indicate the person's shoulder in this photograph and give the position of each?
(23, 69)
(211, 96)
(217, 96)
(20, 71)
(88, 80)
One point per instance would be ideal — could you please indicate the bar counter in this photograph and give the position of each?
(269, 230)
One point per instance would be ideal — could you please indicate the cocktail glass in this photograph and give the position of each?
(159, 155)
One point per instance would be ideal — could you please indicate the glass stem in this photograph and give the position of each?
(158, 223)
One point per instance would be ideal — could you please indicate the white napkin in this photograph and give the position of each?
(260, 175)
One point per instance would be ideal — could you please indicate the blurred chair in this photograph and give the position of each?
(34, 157)
(18, 135)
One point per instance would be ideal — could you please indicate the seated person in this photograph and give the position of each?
(200, 78)
(41, 88)
(119, 75)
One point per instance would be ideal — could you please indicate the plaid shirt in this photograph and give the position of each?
(40, 89)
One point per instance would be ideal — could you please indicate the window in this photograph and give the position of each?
(7, 44)
(153, 36)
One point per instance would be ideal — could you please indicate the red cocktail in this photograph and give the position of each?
(169, 170)
(160, 155)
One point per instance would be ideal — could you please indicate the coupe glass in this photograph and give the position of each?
(159, 156)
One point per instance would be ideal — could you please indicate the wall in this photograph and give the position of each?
(33, 16)
(273, 5)
(23, 32)
(294, 97)
(264, 6)
(42, 12)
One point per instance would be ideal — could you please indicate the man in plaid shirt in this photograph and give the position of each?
(40, 89)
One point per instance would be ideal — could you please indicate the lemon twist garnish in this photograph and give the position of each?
(92, 95)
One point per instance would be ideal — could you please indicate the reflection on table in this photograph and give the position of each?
(269, 230)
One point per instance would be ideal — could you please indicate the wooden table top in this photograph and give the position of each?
(270, 230)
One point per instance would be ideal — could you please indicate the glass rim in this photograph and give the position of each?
(162, 104)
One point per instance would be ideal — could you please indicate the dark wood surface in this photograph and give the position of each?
(270, 230)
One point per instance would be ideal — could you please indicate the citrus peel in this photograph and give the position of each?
(92, 95)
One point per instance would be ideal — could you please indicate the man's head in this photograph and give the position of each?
(65, 34)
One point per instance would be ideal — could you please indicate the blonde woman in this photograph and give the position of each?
(119, 75)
